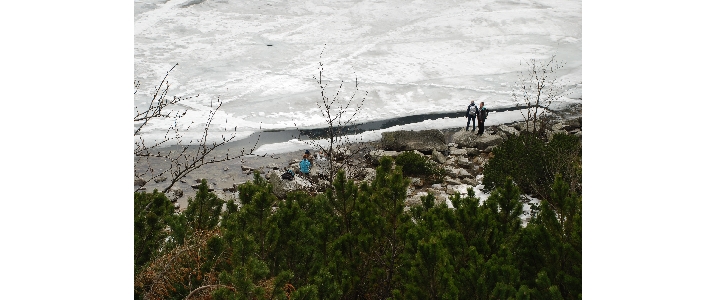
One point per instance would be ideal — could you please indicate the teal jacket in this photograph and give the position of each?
(304, 166)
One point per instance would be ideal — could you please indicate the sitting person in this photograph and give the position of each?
(305, 165)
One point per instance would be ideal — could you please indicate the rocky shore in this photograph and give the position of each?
(461, 153)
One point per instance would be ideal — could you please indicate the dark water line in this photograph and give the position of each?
(279, 136)
(257, 139)
(383, 124)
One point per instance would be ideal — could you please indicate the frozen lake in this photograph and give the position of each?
(413, 58)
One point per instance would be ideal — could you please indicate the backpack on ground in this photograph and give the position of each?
(288, 175)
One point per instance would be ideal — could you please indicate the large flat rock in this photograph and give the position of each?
(424, 140)
(281, 187)
(467, 139)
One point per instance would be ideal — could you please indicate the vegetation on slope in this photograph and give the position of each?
(357, 241)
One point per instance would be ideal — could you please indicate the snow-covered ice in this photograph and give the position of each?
(412, 58)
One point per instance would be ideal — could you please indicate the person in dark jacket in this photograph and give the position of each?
(471, 115)
(483, 112)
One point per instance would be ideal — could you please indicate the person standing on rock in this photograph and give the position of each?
(471, 115)
(483, 113)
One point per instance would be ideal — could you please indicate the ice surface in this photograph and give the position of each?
(412, 58)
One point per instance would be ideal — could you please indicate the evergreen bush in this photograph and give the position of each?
(359, 242)
(152, 214)
(415, 164)
(532, 163)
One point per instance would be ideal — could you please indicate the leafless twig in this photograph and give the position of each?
(340, 117)
(170, 165)
(536, 89)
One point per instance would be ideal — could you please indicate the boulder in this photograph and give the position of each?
(375, 155)
(451, 160)
(440, 195)
(370, 174)
(467, 140)
(457, 152)
(451, 181)
(508, 130)
(417, 182)
(464, 174)
(457, 172)
(424, 140)
(280, 187)
(470, 181)
(441, 198)
(438, 157)
(245, 168)
(140, 181)
(503, 135)
(176, 193)
(415, 200)
(452, 172)
(160, 179)
(209, 187)
(472, 151)
(463, 162)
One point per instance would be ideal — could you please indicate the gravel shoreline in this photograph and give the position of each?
(224, 176)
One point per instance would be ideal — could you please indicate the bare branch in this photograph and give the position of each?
(339, 114)
(192, 155)
(537, 89)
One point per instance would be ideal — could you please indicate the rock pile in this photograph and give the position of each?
(462, 155)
